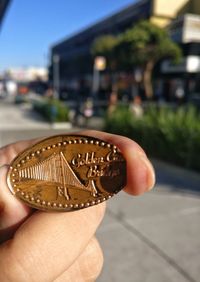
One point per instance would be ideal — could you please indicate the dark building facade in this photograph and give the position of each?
(73, 67)
(75, 60)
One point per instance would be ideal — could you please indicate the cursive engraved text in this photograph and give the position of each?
(90, 158)
(106, 170)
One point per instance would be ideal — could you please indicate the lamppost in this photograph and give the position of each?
(138, 79)
(99, 65)
(56, 76)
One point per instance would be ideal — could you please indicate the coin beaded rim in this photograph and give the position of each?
(42, 204)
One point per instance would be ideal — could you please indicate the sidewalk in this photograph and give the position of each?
(18, 122)
(151, 238)
(154, 237)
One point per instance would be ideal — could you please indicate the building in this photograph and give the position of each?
(27, 74)
(3, 7)
(71, 60)
(28, 79)
(184, 77)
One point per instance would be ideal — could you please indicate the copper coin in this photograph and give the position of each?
(66, 173)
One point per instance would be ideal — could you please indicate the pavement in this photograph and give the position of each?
(154, 237)
(151, 238)
(20, 122)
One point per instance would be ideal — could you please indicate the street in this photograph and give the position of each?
(151, 238)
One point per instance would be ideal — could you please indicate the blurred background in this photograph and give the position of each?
(127, 67)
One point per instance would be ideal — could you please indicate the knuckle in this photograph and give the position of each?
(99, 211)
(92, 216)
(87, 267)
(92, 261)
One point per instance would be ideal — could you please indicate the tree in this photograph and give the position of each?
(105, 46)
(144, 45)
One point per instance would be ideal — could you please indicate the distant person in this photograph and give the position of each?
(112, 102)
(49, 93)
(76, 112)
(158, 92)
(136, 107)
(179, 94)
(88, 110)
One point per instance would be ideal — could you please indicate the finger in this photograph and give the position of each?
(140, 172)
(12, 211)
(9, 152)
(87, 267)
(48, 243)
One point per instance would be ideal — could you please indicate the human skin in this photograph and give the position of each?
(60, 247)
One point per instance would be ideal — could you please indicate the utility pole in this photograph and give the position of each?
(56, 76)
(96, 81)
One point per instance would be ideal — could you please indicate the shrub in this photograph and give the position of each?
(169, 134)
(53, 110)
(20, 99)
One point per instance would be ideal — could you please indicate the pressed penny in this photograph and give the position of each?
(67, 172)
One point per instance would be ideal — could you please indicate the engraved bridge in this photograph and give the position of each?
(56, 169)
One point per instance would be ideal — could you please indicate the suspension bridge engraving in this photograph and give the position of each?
(56, 169)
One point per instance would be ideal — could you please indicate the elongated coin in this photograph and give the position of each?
(67, 172)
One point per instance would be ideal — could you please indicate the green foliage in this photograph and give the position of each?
(19, 99)
(53, 110)
(169, 134)
(143, 45)
(105, 46)
(116, 121)
(146, 42)
(137, 45)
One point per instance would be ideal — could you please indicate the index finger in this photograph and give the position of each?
(140, 172)
(9, 152)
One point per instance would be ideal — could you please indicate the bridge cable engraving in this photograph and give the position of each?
(57, 169)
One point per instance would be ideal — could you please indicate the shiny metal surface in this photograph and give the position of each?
(67, 172)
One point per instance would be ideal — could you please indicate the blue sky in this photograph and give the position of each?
(31, 27)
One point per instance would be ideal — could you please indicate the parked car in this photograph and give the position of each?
(23, 89)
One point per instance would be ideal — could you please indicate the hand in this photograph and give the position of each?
(41, 246)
